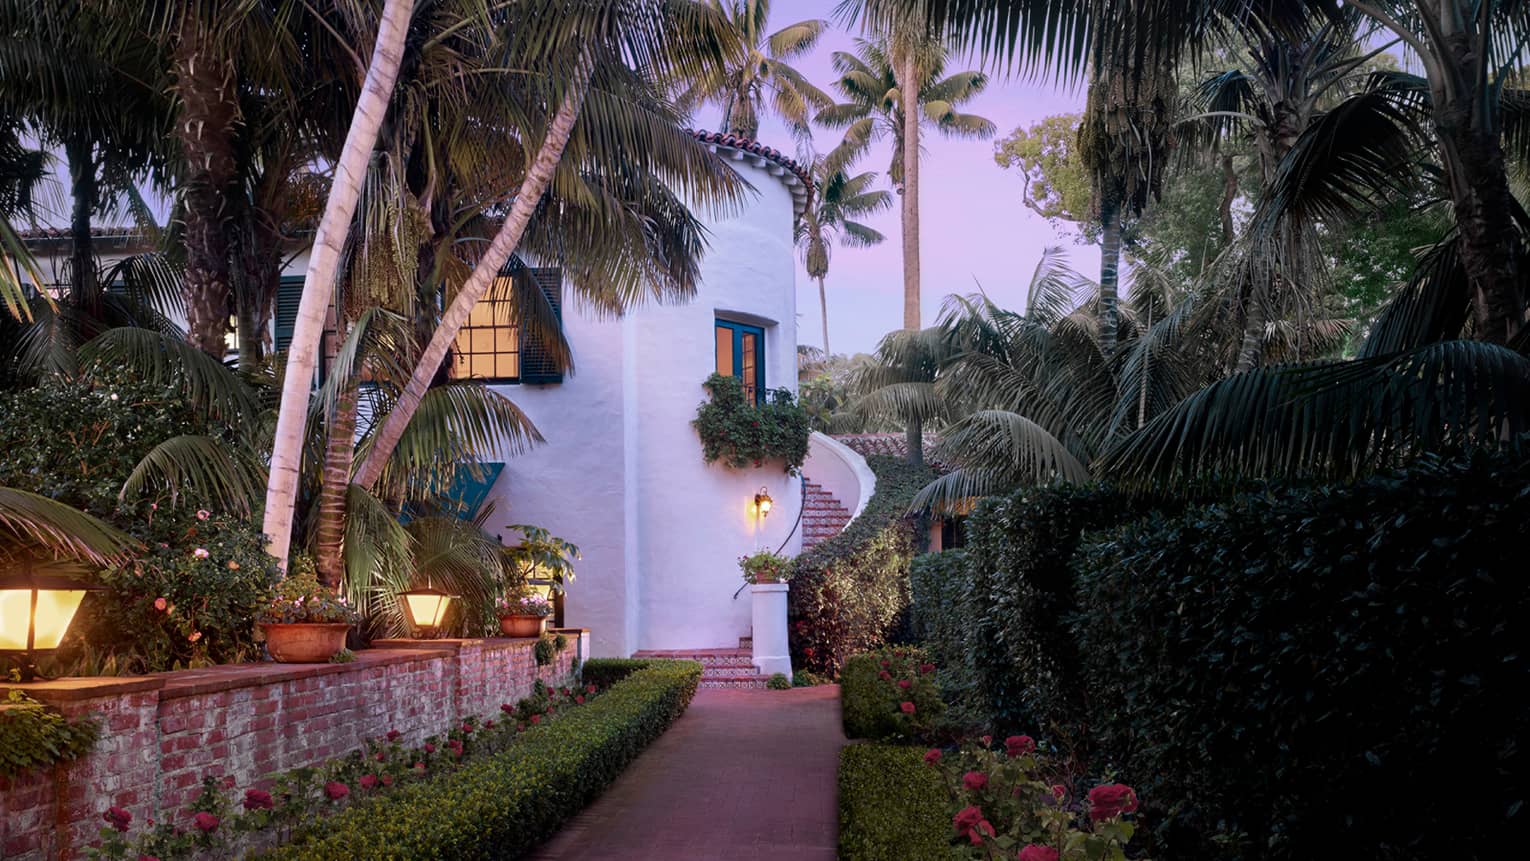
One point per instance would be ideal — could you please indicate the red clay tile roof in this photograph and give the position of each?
(101, 232)
(770, 154)
(890, 444)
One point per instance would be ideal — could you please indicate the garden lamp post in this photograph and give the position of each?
(35, 612)
(426, 607)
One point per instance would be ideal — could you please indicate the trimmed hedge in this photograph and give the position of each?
(940, 618)
(1332, 672)
(870, 699)
(503, 806)
(850, 593)
(606, 672)
(892, 806)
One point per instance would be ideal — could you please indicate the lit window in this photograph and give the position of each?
(741, 353)
(489, 345)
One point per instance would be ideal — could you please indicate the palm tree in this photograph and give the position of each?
(759, 72)
(840, 200)
(871, 81)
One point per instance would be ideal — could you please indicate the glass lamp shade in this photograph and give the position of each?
(762, 502)
(36, 609)
(426, 607)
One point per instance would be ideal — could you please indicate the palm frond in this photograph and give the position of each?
(203, 380)
(201, 467)
(59, 529)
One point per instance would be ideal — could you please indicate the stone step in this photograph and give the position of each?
(740, 682)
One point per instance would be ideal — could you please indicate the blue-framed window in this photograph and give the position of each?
(741, 353)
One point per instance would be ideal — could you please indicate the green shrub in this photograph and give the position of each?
(606, 672)
(892, 807)
(940, 618)
(850, 593)
(1335, 672)
(34, 736)
(876, 689)
(742, 434)
(504, 805)
(779, 682)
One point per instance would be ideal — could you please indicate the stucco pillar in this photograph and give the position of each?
(771, 653)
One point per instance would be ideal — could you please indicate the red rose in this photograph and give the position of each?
(336, 790)
(926, 668)
(1111, 800)
(520, 727)
(1038, 853)
(579, 699)
(118, 817)
(884, 675)
(908, 707)
(1059, 792)
(488, 724)
(968, 818)
(536, 719)
(1019, 745)
(205, 822)
(932, 756)
(590, 689)
(419, 767)
(987, 740)
(467, 728)
(886, 664)
(148, 858)
(430, 748)
(369, 781)
(394, 735)
(257, 799)
(387, 780)
(905, 684)
(975, 780)
(507, 708)
(977, 832)
(380, 757)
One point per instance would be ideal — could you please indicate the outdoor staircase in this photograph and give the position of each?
(720, 668)
(823, 516)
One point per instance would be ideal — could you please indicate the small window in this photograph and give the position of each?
(488, 346)
(741, 353)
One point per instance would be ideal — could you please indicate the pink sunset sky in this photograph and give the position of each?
(975, 231)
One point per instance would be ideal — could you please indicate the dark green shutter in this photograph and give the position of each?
(288, 294)
(537, 364)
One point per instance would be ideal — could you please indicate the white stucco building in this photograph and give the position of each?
(621, 473)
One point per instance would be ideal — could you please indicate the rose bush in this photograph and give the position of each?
(890, 693)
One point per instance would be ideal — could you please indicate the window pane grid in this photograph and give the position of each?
(488, 345)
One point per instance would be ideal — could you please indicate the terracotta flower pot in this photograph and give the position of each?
(522, 626)
(304, 642)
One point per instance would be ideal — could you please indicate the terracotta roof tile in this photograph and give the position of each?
(890, 444)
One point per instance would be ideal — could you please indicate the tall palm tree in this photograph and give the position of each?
(760, 77)
(840, 200)
(871, 81)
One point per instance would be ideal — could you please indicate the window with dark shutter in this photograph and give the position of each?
(289, 292)
(538, 367)
(492, 345)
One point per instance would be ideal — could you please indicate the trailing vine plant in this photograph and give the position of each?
(743, 435)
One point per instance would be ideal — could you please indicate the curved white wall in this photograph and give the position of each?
(622, 474)
(836, 468)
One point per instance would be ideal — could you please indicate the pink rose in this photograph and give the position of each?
(579, 699)
(368, 781)
(1034, 852)
(257, 799)
(987, 740)
(194, 636)
(336, 790)
(419, 767)
(590, 689)
(203, 514)
(1111, 800)
(908, 707)
(1019, 745)
(932, 756)
(974, 780)
(200, 553)
(160, 604)
(205, 822)
(905, 684)
(118, 817)
(536, 719)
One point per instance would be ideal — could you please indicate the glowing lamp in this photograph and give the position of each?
(35, 612)
(762, 502)
(426, 607)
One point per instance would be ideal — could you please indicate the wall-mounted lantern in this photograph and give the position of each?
(762, 502)
(35, 613)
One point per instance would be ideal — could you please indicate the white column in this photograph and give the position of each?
(771, 653)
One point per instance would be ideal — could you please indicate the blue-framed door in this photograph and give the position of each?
(741, 353)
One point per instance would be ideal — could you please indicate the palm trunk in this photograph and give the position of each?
(204, 84)
(916, 441)
(85, 191)
(1484, 216)
(1110, 266)
(1229, 194)
(909, 93)
(527, 197)
(339, 454)
(319, 282)
(823, 308)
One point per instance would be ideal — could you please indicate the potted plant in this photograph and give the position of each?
(304, 622)
(524, 615)
(540, 560)
(765, 567)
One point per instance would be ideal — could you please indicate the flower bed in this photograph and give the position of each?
(507, 803)
(889, 693)
(891, 805)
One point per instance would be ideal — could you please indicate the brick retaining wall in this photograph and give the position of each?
(161, 734)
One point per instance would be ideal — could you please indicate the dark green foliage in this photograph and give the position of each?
(892, 806)
(33, 736)
(872, 690)
(1020, 594)
(506, 804)
(606, 672)
(779, 682)
(743, 435)
(1336, 672)
(850, 593)
(940, 617)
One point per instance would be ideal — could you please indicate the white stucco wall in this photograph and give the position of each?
(622, 474)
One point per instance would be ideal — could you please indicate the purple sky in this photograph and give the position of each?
(974, 228)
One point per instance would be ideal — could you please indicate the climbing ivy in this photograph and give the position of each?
(32, 736)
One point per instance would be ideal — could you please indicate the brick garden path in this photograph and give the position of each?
(743, 775)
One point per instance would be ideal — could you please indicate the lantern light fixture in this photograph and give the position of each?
(426, 607)
(35, 613)
(762, 502)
